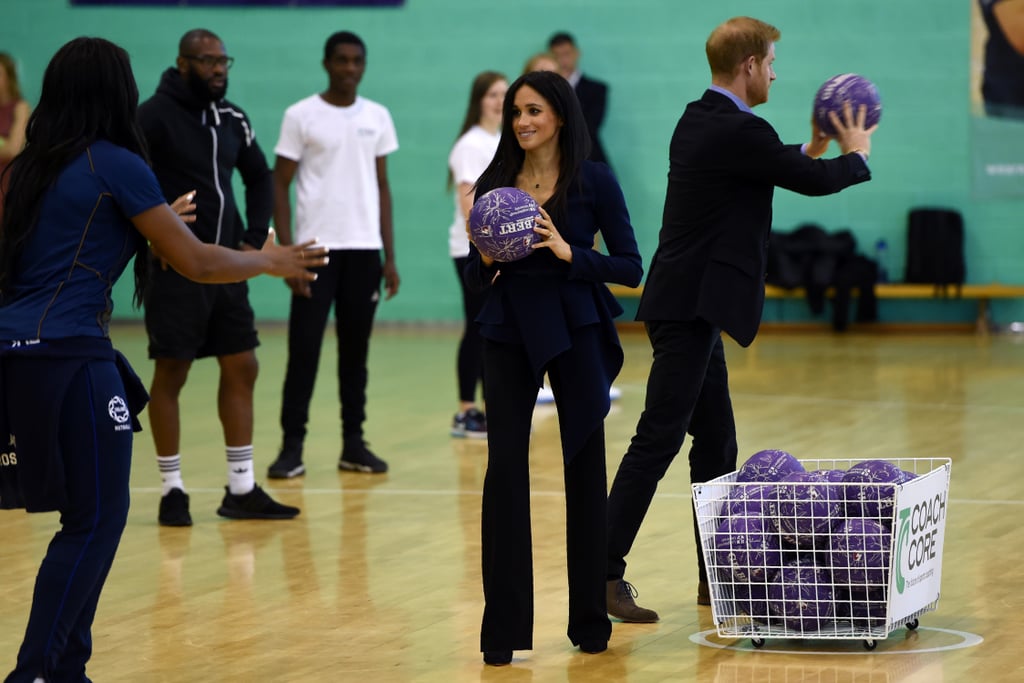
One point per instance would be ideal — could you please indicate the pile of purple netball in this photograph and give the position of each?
(806, 550)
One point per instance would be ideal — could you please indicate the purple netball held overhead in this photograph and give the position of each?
(851, 88)
(501, 224)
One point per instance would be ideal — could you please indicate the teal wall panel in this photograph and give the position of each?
(423, 56)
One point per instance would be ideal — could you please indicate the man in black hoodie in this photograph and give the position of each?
(196, 140)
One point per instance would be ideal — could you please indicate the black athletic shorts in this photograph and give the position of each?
(188, 320)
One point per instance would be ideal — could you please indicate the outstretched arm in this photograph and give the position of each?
(213, 264)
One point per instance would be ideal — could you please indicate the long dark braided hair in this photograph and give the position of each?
(88, 94)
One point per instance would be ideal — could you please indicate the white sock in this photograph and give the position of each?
(170, 473)
(241, 478)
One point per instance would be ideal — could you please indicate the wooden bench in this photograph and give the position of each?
(982, 294)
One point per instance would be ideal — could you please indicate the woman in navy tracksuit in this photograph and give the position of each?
(550, 312)
(80, 203)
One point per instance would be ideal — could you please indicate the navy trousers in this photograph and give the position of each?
(95, 444)
(507, 554)
(687, 390)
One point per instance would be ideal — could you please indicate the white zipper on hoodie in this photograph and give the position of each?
(216, 171)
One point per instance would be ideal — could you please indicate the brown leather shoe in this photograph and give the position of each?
(703, 594)
(620, 594)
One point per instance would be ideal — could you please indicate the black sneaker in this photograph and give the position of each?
(471, 424)
(356, 457)
(254, 505)
(288, 463)
(174, 509)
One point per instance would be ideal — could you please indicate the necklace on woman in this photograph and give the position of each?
(527, 183)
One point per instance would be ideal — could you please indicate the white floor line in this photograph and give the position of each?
(455, 492)
(816, 400)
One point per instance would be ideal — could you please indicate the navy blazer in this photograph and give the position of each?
(539, 301)
(724, 165)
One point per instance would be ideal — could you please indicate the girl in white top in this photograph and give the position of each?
(472, 152)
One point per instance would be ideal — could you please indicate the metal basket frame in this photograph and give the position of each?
(741, 600)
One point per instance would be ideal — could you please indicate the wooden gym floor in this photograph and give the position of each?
(378, 579)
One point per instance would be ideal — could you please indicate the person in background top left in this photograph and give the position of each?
(14, 111)
(197, 139)
(472, 152)
(82, 203)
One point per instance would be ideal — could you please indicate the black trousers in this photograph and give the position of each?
(351, 283)
(687, 390)
(469, 364)
(511, 395)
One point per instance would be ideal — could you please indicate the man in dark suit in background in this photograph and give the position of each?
(707, 275)
(592, 94)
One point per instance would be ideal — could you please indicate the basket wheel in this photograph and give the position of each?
(912, 625)
(757, 642)
(870, 644)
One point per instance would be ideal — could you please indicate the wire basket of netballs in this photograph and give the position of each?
(834, 549)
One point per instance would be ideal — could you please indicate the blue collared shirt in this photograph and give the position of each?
(732, 96)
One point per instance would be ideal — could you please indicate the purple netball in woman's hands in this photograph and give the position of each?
(501, 224)
(851, 88)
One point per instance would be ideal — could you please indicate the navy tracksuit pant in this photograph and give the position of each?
(95, 447)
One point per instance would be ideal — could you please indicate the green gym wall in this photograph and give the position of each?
(423, 56)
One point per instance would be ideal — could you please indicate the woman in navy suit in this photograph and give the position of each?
(550, 312)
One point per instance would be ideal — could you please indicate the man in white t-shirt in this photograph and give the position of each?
(335, 145)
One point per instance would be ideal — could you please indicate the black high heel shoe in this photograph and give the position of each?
(497, 657)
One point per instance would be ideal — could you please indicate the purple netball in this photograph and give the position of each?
(747, 499)
(870, 489)
(803, 509)
(752, 599)
(851, 88)
(747, 550)
(801, 594)
(501, 224)
(834, 476)
(769, 465)
(861, 554)
(864, 611)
